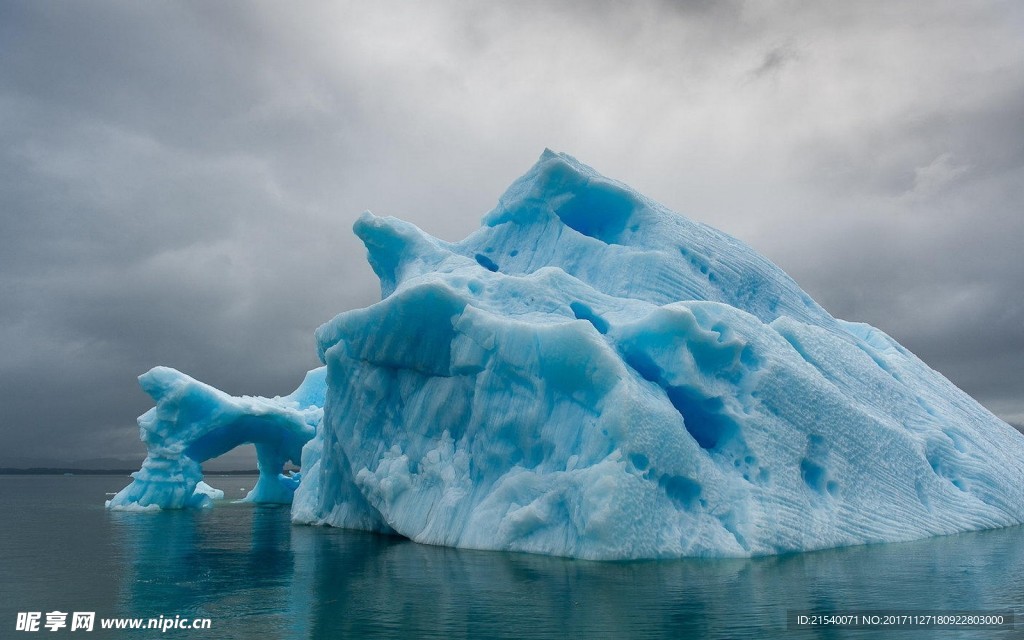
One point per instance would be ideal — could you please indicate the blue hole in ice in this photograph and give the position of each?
(599, 211)
(684, 491)
(702, 417)
(814, 475)
(583, 312)
(486, 262)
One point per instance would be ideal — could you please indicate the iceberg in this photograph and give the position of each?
(193, 422)
(592, 375)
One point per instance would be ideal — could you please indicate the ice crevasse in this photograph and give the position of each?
(592, 375)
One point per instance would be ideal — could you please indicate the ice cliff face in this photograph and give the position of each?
(193, 422)
(593, 375)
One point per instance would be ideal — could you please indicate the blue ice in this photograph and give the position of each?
(592, 375)
(193, 422)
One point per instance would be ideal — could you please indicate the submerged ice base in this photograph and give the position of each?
(592, 375)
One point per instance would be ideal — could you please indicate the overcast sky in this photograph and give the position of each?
(178, 180)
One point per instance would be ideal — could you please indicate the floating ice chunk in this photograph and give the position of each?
(132, 507)
(208, 491)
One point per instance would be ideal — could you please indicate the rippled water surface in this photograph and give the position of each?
(257, 576)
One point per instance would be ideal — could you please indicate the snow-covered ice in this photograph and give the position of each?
(593, 375)
(208, 491)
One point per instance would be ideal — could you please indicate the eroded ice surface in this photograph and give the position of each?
(193, 422)
(593, 375)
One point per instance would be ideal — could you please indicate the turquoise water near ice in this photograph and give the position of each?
(257, 576)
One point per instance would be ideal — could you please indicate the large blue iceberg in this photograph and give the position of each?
(592, 375)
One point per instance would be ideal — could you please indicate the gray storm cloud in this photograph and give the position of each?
(178, 181)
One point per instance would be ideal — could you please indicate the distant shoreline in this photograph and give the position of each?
(59, 471)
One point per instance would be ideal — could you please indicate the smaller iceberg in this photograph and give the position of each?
(193, 422)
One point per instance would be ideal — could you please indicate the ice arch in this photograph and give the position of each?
(193, 422)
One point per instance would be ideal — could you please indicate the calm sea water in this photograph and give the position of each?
(257, 576)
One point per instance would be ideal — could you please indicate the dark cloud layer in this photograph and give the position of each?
(178, 180)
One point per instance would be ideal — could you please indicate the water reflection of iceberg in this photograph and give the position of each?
(232, 564)
(255, 575)
(352, 584)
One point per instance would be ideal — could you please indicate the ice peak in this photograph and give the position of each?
(392, 243)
